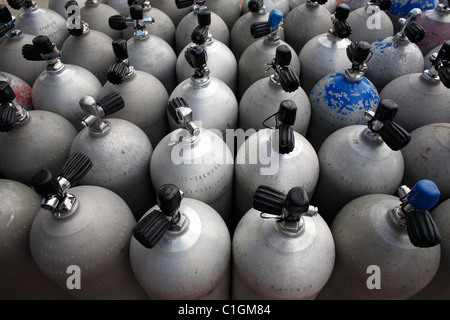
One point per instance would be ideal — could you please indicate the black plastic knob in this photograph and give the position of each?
(76, 167)
(7, 117)
(342, 11)
(120, 49)
(297, 202)
(111, 103)
(269, 200)
(17, 4)
(204, 18)
(136, 12)
(444, 75)
(196, 56)
(117, 22)
(286, 139)
(260, 29)
(386, 110)
(283, 56)
(422, 230)
(289, 81)
(132, 2)
(44, 184)
(287, 112)
(415, 32)
(255, 5)
(342, 29)
(6, 92)
(31, 53)
(200, 34)
(150, 230)
(173, 105)
(183, 3)
(4, 28)
(68, 4)
(359, 52)
(117, 73)
(43, 44)
(394, 136)
(5, 14)
(444, 52)
(384, 4)
(169, 199)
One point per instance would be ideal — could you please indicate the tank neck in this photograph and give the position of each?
(312, 4)
(431, 75)
(371, 137)
(354, 75)
(141, 35)
(91, 3)
(179, 223)
(291, 229)
(443, 8)
(55, 66)
(33, 6)
(200, 83)
(14, 34)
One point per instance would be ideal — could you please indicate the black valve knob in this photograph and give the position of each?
(269, 200)
(151, 229)
(422, 230)
(5, 14)
(283, 56)
(196, 56)
(287, 112)
(444, 52)
(297, 202)
(286, 139)
(199, 35)
(384, 4)
(255, 5)
(386, 110)
(120, 49)
(132, 2)
(342, 11)
(260, 29)
(394, 136)
(321, 2)
(183, 3)
(415, 32)
(117, 22)
(6, 92)
(444, 75)
(169, 199)
(30, 53)
(204, 18)
(7, 117)
(68, 4)
(359, 52)
(44, 184)
(289, 81)
(17, 4)
(136, 12)
(111, 103)
(173, 105)
(43, 44)
(76, 167)
(117, 73)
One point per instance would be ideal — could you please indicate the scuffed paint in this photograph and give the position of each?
(401, 8)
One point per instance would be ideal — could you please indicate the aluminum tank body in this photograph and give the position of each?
(282, 5)
(33, 145)
(13, 62)
(121, 161)
(60, 90)
(262, 99)
(257, 163)
(163, 27)
(97, 15)
(21, 89)
(337, 102)
(58, 6)
(389, 62)
(213, 103)
(304, 22)
(96, 239)
(437, 25)
(330, 55)
(217, 28)
(351, 166)
(269, 263)
(120, 5)
(366, 238)
(228, 10)
(420, 101)
(252, 65)
(21, 279)
(170, 8)
(203, 169)
(191, 264)
(330, 5)
(155, 56)
(91, 51)
(221, 63)
(426, 156)
(370, 23)
(145, 100)
(43, 22)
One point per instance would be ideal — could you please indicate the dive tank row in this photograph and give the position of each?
(142, 134)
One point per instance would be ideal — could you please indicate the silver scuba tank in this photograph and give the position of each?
(120, 153)
(24, 139)
(90, 49)
(397, 55)
(40, 21)
(181, 249)
(59, 6)
(148, 52)
(21, 89)
(163, 26)
(387, 247)
(328, 50)
(371, 22)
(358, 160)
(277, 157)
(228, 10)
(240, 38)
(264, 96)
(122, 6)
(282, 5)
(426, 157)
(329, 5)
(10, 50)
(212, 101)
(251, 65)
(171, 9)
(306, 21)
(80, 238)
(197, 160)
(423, 98)
(96, 15)
(401, 9)
(340, 99)
(221, 60)
(59, 88)
(144, 95)
(218, 27)
(276, 246)
(21, 279)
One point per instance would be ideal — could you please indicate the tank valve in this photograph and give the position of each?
(283, 74)
(197, 57)
(269, 28)
(341, 28)
(256, 6)
(199, 5)
(56, 199)
(440, 66)
(359, 54)
(410, 31)
(11, 112)
(121, 69)
(7, 23)
(150, 230)
(179, 110)
(76, 27)
(136, 20)
(43, 49)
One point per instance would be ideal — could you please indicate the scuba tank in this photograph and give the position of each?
(217, 27)
(21, 89)
(423, 98)
(329, 5)
(262, 98)
(10, 50)
(371, 22)
(120, 153)
(437, 24)
(122, 6)
(197, 160)
(213, 102)
(144, 95)
(277, 157)
(240, 38)
(40, 21)
(21, 279)
(228, 10)
(60, 86)
(163, 27)
(328, 50)
(87, 48)
(84, 228)
(59, 6)
(181, 249)
(148, 52)
(24, 138)
(306, 21)
(397, 55)
(387, 247)
(438, 288)
(221, 60)
(282, 249)
(96, 15)
(171, 9)
(281, 5)
(401, 9)
(251, 65)
(341, 98)
(358, 160)
(426, 157)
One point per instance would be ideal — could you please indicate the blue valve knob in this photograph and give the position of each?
(424, 195)
(275, 18)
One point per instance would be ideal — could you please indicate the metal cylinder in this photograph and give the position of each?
(21, 89)
(329, 5)
(170, 8)
(96, 14)
(228, 10)
(282, 5)
(437, 24)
